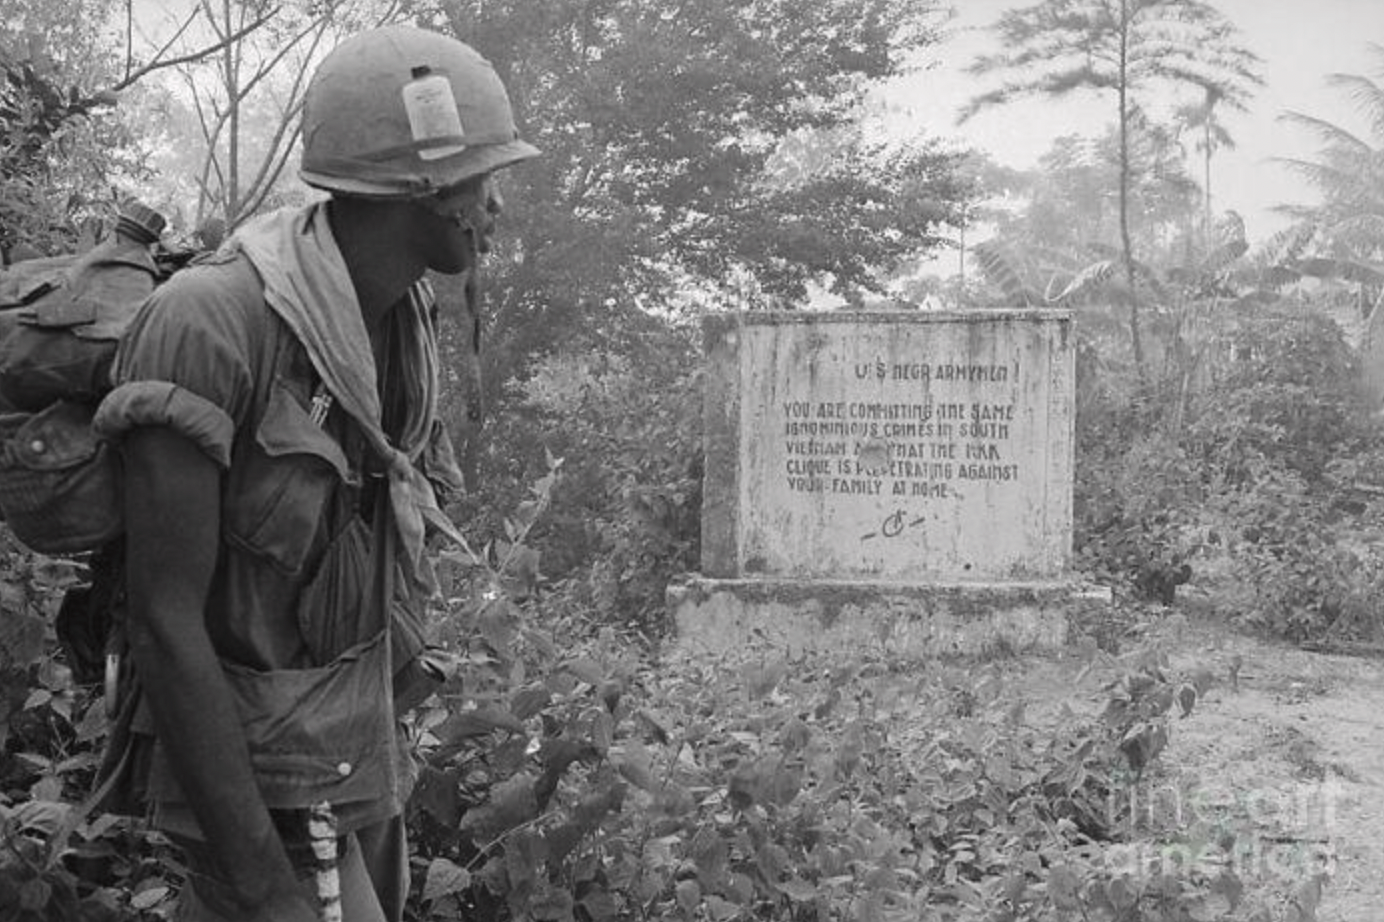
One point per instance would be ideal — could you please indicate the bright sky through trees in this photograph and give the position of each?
(1300, 42)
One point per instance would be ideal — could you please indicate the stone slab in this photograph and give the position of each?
(714, 617)
(913, 447)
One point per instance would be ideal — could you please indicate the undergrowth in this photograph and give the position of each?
(806, 787)
(569, 771)
(1250, 465)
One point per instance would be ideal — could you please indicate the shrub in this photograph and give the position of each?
(570, 775)
(1286, 391)
(1262, 468)
(1136, 489)
(625, 516)
(1134, 515)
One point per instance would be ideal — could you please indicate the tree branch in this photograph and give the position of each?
(158, 63)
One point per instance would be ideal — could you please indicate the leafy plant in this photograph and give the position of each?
(625, 517)
(578, 779)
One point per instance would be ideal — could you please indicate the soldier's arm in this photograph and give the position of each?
(173, 534)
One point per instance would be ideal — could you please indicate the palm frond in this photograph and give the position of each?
(1093, 276)
(1331, 134)
(1367, 226)
(1000, 268)
(1287, 245)
(1142, 271)
(1367, 95)
(1347, 270)
(1219, 259)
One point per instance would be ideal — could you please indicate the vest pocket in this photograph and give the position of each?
(276, 506)
(316, 734)
(337, 608)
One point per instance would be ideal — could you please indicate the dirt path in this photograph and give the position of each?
(1289, 760)
(1302, 742)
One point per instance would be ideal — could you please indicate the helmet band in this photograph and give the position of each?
(413, 147)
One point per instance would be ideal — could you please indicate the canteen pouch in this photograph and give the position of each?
(322, 733)
(59, 483)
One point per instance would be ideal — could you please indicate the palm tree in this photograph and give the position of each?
(1346, 230)
(1059, 46)
(1348, 172)
(1203, 117)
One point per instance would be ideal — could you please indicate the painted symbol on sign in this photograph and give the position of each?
(895, 524)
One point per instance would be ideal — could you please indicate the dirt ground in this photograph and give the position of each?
(1283, 755)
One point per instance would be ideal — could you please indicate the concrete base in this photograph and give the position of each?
(718, 616)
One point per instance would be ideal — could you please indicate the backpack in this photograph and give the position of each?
(61, 319)
(60, 322)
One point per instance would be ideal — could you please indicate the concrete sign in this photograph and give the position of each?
(909, 447)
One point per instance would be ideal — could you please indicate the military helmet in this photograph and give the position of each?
(402, 112)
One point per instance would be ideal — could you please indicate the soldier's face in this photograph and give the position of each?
(460, 223)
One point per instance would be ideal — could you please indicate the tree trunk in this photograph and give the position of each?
(961, 265)
(1135, 336)
(1206, 221)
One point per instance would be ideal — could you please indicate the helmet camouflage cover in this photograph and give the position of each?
(401, 112)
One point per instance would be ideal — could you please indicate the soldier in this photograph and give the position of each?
(275, 410)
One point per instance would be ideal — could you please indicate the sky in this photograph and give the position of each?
(1299, 42)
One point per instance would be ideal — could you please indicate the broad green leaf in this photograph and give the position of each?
(709, 852)
(634, 764)
(561, 840)
(1209, 907)
(761, 679)
(444, 878)
(689, 896)
(526, 854)
(149, 897)
(720, 910)
(41, 816)
(21, 638)
(600, 906)
(587, 670)
(1064, 888)
(773, 861)
(34, 894)
(798, 890)
(464, 725)
(551, 904)
(526, 702)
(795, 736)
(511, 803)
(674, 800)
(1122, 895)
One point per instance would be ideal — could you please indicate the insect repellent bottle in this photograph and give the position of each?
(432, 115)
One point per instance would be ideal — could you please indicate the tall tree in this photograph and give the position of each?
(663, 126)
(244, 100)
(696, 154)
(1120, 47)
(1059, 223)
(65, 67)
(1341, 238)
